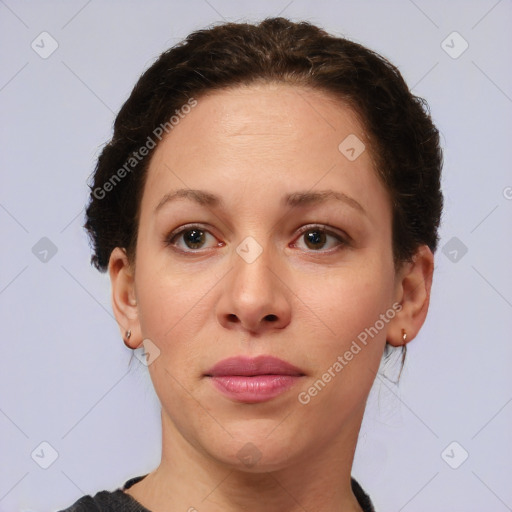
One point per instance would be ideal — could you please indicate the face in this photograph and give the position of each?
(258, 236)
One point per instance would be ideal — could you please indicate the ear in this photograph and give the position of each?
(413, 285)
(124, 301)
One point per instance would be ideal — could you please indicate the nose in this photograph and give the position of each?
(255, 297)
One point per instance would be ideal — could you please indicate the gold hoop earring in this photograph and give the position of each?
(404, 336)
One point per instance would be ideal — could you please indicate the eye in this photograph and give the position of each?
(192, 236)
(316, 237)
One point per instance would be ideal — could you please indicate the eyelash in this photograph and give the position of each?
(169, 239)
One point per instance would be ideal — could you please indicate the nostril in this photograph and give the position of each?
(271, 318)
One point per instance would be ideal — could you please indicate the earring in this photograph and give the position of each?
(404, 336)
(127, 336)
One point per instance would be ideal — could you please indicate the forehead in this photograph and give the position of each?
(269, 113)
(264, 137)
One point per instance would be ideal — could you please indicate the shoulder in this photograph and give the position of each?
(106, 501)
(89, 503)
(362, 497)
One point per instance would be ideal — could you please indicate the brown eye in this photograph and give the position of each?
(190, 239)
(193, 238)
(316, 238)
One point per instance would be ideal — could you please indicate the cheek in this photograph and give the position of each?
(171, 314)
(348, 300)
(346, 359)
(174, 307)
(167, 294)
(345, 353)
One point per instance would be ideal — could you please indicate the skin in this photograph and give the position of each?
(251, 146)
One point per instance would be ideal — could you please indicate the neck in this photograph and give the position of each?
(193, 481)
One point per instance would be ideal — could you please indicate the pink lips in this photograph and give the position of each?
(253, 380)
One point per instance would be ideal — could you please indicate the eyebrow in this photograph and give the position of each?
(306, 198)
(293, 200)
(199, 196)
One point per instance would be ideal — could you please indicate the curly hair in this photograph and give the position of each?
(403, 139)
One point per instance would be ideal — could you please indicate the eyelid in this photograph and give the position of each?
(168, 239)
(344, 239)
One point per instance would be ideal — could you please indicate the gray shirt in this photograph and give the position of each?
(119, 501)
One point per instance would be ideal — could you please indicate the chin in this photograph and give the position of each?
(255, 449)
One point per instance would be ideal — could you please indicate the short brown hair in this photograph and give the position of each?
(404, 140)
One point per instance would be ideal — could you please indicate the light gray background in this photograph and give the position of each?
(64, 373)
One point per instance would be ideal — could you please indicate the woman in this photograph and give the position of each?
(267, 210)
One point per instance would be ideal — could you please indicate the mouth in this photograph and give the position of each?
(253, 380)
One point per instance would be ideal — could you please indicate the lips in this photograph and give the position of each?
(253, 380)
(250, 367)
